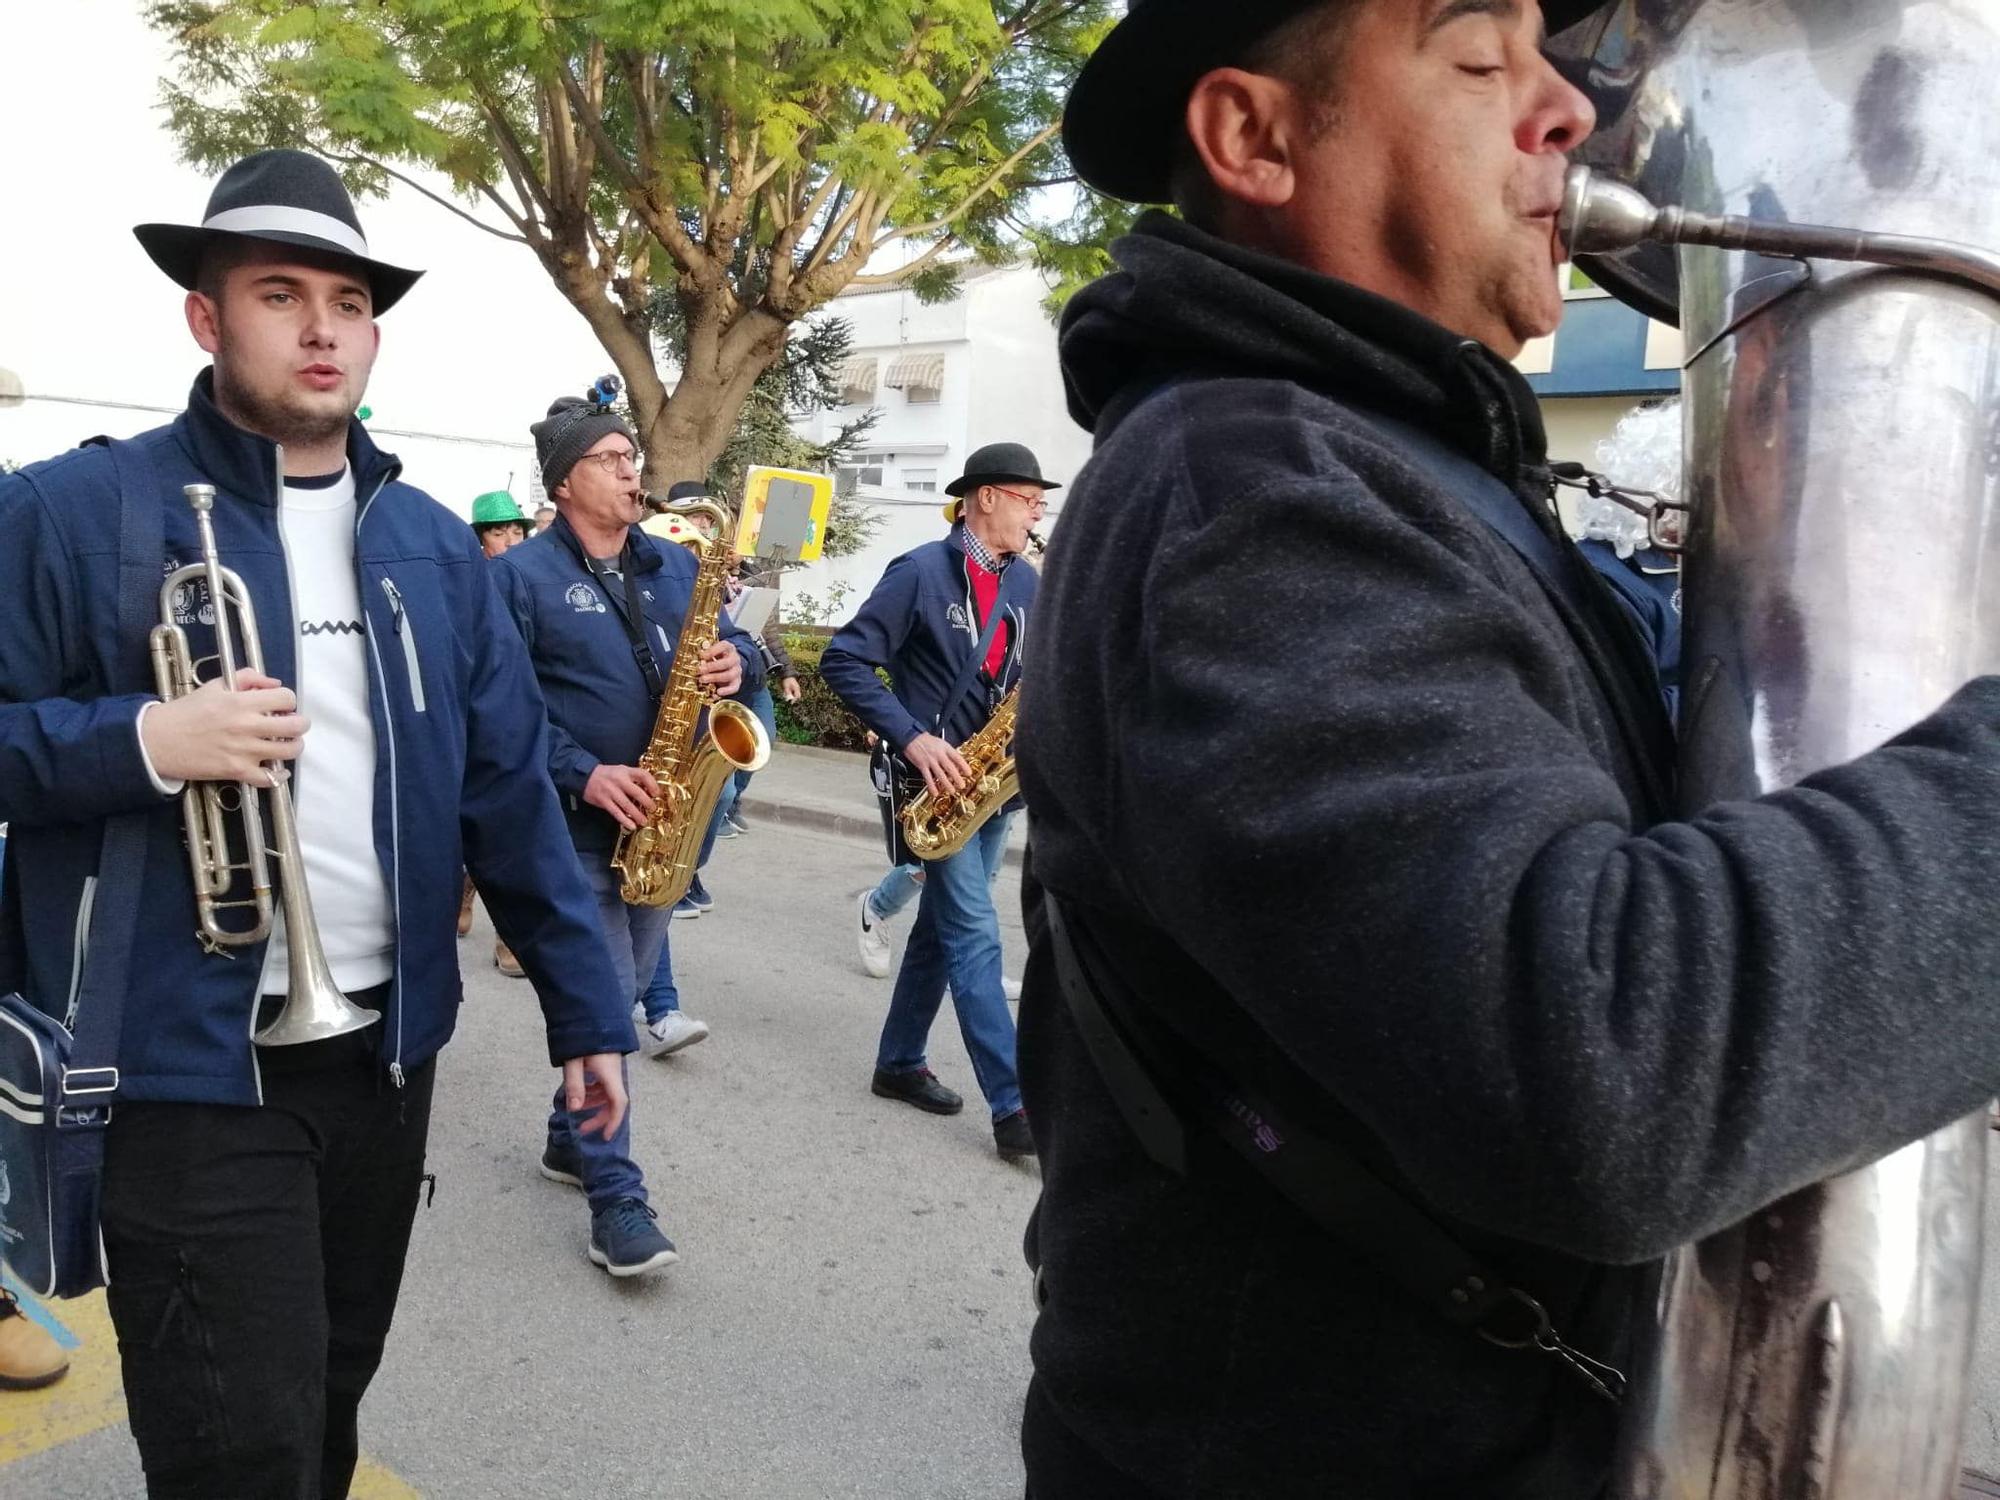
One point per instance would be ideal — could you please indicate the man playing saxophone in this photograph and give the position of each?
(258, 1200)
(948, 621)
(601, 604)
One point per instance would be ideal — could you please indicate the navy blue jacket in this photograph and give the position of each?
(600, 709)
(921, 624)
(459, 780)
(1648, 586)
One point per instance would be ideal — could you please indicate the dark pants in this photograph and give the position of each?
(255, 1257)
(1061, 1466)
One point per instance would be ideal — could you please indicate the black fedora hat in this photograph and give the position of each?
(1124, 114)
(287, 197)
(996, 463)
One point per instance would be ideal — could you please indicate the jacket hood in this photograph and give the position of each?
(1184, 302)
(246, 465)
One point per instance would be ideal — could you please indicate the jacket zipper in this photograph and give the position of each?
(80, 949)
(395, 795)
(407, 634)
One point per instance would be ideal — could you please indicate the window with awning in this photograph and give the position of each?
(918, 376)
(857, 380)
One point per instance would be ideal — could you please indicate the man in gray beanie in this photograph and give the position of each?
(601, 604)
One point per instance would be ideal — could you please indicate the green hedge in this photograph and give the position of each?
(818, 718)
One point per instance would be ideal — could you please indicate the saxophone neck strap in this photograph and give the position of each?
(627, 609)
(969, 672)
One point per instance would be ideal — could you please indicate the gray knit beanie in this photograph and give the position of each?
(572, 428)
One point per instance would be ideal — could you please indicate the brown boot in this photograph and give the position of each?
(465, 909)
(29, 1357)
(505, 962)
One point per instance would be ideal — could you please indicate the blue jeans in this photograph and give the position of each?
(636, 937)
(895, 891)
(956, 940)
(662, 997)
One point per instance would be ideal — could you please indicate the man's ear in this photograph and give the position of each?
(1245, 126)
(204, 320)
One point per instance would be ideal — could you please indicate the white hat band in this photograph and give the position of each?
(261, 218)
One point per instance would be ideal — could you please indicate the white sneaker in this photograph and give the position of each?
(671, 1033)
(1012, 987)
(873, 939)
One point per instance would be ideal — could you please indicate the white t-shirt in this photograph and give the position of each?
(333, 780)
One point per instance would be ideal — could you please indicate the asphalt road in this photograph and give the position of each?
(850, 1313)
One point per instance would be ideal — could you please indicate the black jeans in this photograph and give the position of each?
(255, 1257)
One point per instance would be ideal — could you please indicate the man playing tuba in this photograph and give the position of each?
(1385, 867)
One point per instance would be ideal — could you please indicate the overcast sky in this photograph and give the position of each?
(478, 349)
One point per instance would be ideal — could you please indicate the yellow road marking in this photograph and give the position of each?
(88, 1399)
(92, 1397)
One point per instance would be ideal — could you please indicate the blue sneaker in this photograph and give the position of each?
(562, 1164)
(685, 910)
(698, 894)
(625, 1242)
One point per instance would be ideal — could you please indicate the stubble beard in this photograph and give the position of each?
(275, 417)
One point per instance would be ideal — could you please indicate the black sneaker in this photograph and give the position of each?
(1011, 1138)
(920, 1088)
(563, 1164)
(625, 1241)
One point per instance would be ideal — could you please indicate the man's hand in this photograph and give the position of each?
(721, 669)
(596, 1083)
(791, 690)
(214, 734)
(626, 792)
(943, 768)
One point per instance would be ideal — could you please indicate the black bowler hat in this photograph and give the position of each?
(996, 463)
(288, 198)
(1124, 115)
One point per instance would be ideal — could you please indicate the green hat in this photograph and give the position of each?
(497, 508)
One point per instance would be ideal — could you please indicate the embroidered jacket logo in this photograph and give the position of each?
(583, 599)
(959, 619)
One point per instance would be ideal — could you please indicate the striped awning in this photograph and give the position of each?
(857, 378)
(915, 372)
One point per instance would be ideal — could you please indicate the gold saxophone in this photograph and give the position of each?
(689, 761)
(938, 827)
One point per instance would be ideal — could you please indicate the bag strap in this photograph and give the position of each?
(91, 1077)
(1579, 594)
(1316, 1173)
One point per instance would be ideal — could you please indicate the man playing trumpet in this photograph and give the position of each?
(257, 1201)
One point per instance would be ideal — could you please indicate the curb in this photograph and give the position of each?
(841, 824)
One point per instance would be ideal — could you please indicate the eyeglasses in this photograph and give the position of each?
(614, 461)
(1033, 502)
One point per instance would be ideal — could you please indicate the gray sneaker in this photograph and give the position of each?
(625, 1241)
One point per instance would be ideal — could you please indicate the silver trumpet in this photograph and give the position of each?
(314, 1007)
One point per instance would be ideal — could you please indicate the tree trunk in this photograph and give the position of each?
(695, 422)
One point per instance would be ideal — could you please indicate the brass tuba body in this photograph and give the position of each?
(697, 743)
(1842, 391)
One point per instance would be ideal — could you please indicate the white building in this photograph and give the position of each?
(946, 379)
(982, 368)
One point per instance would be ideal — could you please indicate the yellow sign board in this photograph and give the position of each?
(784, 513)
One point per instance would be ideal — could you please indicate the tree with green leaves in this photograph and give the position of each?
(695, 176)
